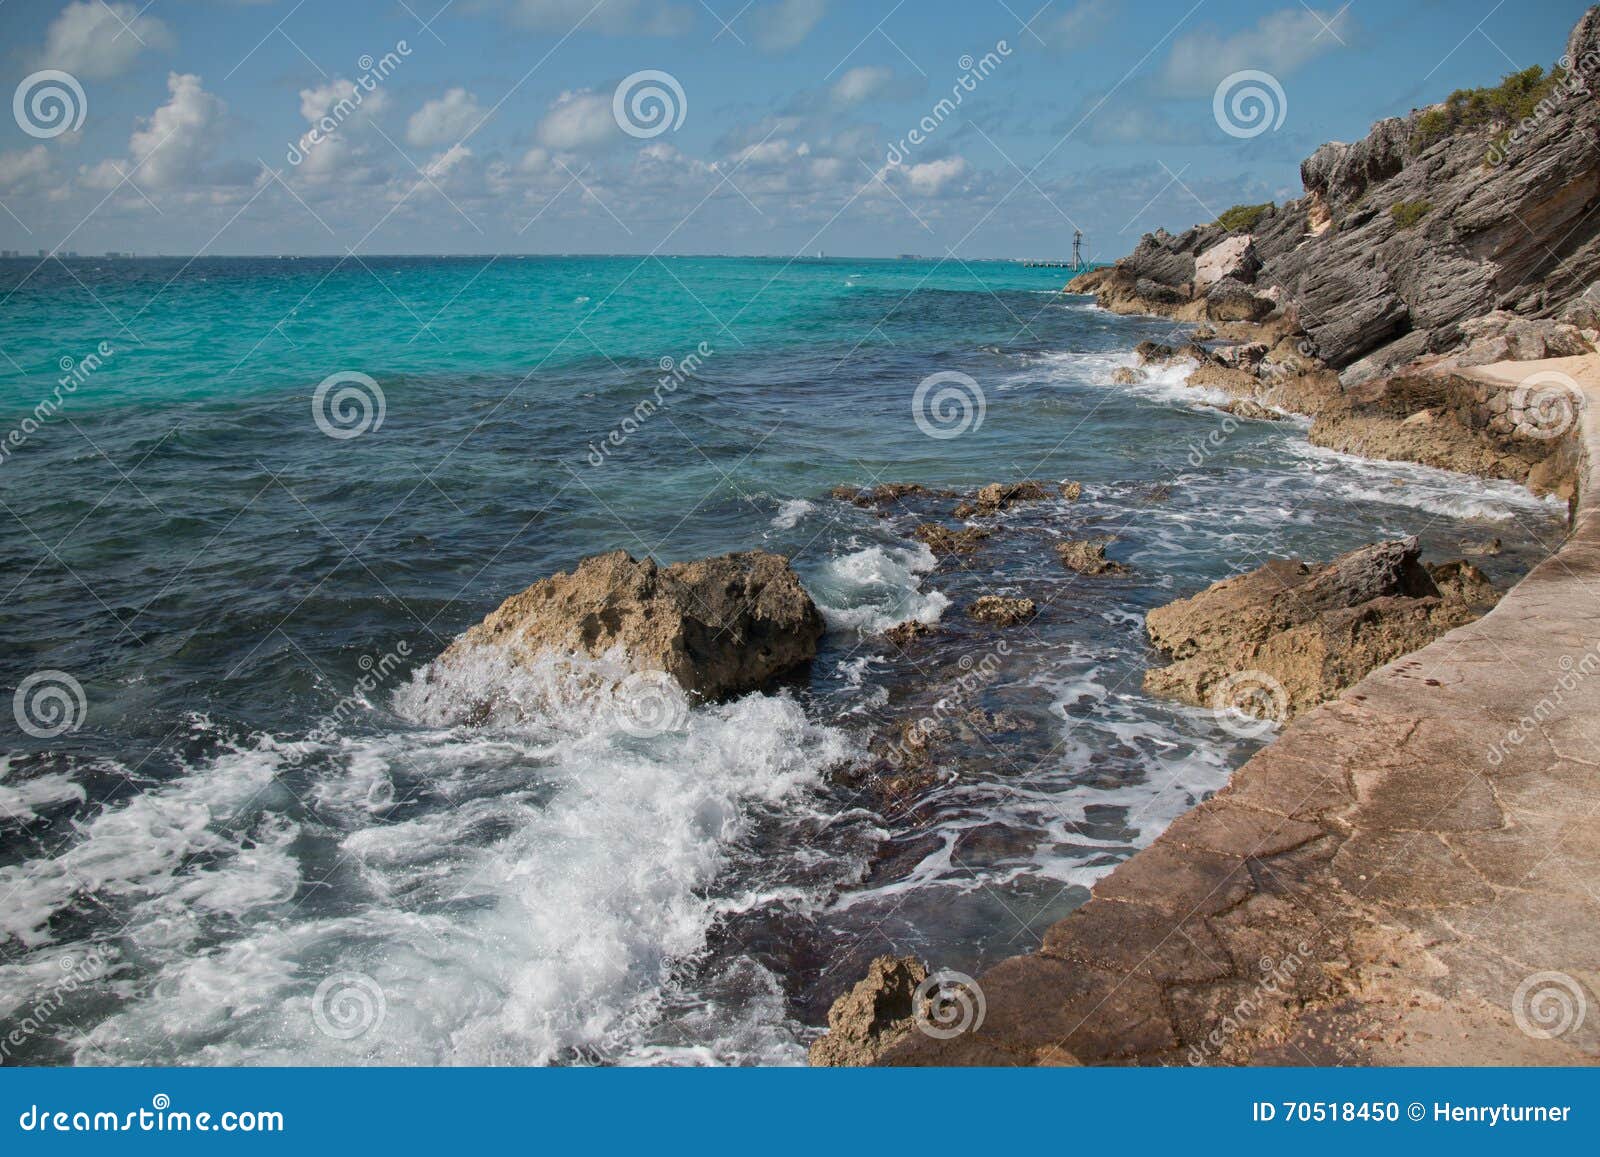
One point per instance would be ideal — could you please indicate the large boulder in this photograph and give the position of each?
(1234, 257)
(1311, 630)
(719, 626)
(1231, 300)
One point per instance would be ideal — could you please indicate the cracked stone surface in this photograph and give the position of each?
(1379, 885)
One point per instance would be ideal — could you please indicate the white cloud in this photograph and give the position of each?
(930, 177)
(858, 84)
(334, 145)
(341, 99)
(611, 17)
(786, 23)
(1279, 43)
(23, 165)
(440, 166)
(444, 121)
(579, 120)
(171, 148)
(92, 40)
(1079, 25)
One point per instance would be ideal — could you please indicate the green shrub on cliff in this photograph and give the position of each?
(1516, 97)
(1243, 218)
(1408, 213)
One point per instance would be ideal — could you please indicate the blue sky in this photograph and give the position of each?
(495, 125)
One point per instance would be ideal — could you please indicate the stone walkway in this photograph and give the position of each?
(1408, 875)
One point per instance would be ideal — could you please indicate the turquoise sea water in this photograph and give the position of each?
(264, 825)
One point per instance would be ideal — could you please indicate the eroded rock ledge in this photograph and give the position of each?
(1282, 638)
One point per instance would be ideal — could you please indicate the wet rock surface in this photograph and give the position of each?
(998, 496)
(1001, 611)
(1088, 556)
(1312, 630)
(719, 626)
(873, 1015)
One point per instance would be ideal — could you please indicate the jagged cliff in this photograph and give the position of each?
(1434, 219)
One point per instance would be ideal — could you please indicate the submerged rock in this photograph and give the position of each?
(1088, 556)
(876, 1012)
(719, 626)
(884, 493)
(1312, 630)
(902, 633)
(998, 496)
(946, 540)
(1001, 611)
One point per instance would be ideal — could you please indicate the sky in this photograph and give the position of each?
(980, 128)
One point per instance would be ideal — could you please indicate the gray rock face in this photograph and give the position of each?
(1495, 223)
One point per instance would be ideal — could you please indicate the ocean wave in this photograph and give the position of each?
(876, 587)
(1419, 487)
(790, 512)
(1163, 383)
(20, 797)
(526, 889)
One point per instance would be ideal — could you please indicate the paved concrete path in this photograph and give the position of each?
(1408, 875)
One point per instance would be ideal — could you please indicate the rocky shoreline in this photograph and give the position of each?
(1382, 883)
(1402, 877)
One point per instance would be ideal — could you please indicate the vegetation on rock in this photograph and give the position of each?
(1516, 96)
(1243, 218)
(1408, 213)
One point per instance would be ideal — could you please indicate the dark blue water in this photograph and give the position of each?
(235, 820)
